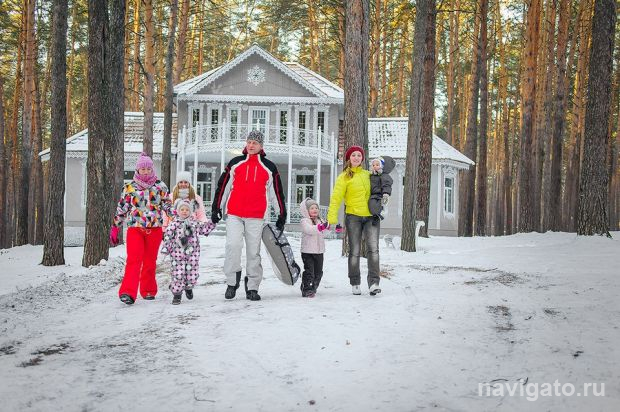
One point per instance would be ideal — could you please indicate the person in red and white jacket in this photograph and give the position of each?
(249, 185)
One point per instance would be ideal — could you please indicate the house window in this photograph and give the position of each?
(234, 122)
(320, 122)
(195, 117)
(215, 117)
(301, 125)
(283, 125)
(259, 120)
(204, 186)
(448, 195)
(304, 186)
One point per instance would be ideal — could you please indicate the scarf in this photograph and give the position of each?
(183, 193)
(144, 181)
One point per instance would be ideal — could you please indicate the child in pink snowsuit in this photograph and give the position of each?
(181, 242)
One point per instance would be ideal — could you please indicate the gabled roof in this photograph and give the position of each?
(134, 127)
(387, 136)
(309, 80)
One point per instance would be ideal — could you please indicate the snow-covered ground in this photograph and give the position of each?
(461, 316)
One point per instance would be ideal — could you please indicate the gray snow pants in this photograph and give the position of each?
(238, 228)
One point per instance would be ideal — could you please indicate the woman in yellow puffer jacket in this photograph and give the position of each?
(353, 186)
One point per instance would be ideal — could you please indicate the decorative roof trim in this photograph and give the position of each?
(262, 99)
(255, 49)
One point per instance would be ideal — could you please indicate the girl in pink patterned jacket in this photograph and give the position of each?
(312, 246)
(181, 242)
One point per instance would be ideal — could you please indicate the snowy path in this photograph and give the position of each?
(458, 313)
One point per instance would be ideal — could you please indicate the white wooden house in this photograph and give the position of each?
(300, 114)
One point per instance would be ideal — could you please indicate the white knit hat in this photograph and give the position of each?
(184, 176)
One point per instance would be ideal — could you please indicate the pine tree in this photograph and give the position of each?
(593, 186)
(53, 249)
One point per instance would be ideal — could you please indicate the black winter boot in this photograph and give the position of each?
(252, 295)
(176, 299)
(231, 291)
(189, 293)
(125, 298)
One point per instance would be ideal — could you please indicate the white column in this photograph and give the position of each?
(184, 144)
(332, 172)
(318, 166)
(197, 134)
(223, 137)
(290, 171)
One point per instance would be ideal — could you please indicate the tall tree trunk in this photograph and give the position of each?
(149, 74)
(468, 179)
(553, 210)
(180, 57)
(428, 110)
(22, 210)
(356, 74)
(53, 247)
(135, 65)
(415, 123)
(526, 198)
(71, 68)
(341, 42)
(374, 67)
(105, 123)
(356, 80)
(36, 180)
(313, 27)
(593, 200)
(3, 172)
(577, 115)
(200, 61)
(481, 167)
(546, 132)
(167, 143)
(451, 72)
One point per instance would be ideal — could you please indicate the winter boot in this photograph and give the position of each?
(231, 291)
(189, 293)
(176, 299)
(252, 295)
(149, 297)
(374, 289)
(356, 289)
(125, 298)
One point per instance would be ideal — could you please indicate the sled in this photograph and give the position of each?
(281, 254)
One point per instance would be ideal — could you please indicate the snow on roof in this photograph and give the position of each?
(305, 77)
(134, 126)
(387, 136)
(184, 87)
(327, 87)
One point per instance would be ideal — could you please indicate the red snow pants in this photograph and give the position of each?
(142, 249)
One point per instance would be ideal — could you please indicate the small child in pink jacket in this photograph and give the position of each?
(312, 246)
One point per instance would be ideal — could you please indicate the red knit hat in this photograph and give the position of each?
(352, 149)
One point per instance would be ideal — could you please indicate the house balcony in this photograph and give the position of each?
(279, 142)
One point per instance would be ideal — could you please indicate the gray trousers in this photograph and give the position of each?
(356, 227)
(238, 228)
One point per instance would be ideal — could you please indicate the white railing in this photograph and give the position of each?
(207, 135)
(294, 212)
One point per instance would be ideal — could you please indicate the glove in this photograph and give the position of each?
(114, 235)
(322, 226)
(385, 199)
(339, 228)
(216, 215)
(280, 222)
